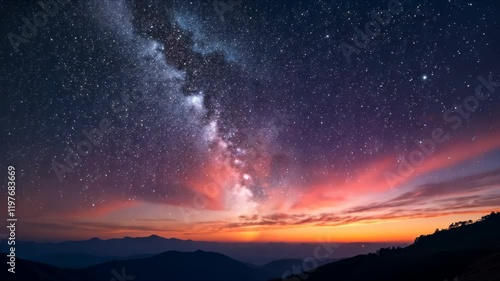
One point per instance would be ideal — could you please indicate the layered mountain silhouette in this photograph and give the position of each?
(80, 260)
(465, 251)
(78, 254)
(277, 268)
(469, 251)
(172, 265)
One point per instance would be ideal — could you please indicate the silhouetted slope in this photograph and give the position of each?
(255, 253)
(80, 260)
(279, 267)
(276, 268)
(171, 265)
(482, 234)
(32, 271)
(486, 269)
(175, 265)
(469, 252)
(71, 260)
(446, 254)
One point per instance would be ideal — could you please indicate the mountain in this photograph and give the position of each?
(172, 265)
(88, 252)
(33, 271)
(468, 252)
(80, 260)
(465, 251)
(71, 260)
(278, 267)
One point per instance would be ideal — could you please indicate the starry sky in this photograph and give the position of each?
(234, 120)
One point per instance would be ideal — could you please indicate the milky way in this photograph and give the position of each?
(248, 115)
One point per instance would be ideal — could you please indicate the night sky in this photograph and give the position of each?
(238, 120)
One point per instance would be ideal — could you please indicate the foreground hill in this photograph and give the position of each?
(467, 252)
(173, 265)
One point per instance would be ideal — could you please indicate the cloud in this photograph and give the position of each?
(456, 189)
(463, 195)
(323, 189)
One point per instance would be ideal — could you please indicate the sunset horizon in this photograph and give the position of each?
(255, 140)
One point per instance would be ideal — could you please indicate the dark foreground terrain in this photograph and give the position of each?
(464, 251)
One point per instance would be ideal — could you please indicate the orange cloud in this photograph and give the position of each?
(330, 192)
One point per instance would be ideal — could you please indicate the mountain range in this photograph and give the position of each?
(84, 253)
(468, 251)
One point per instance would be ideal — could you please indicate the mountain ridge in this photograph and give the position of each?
(256, 253)
(445, 254)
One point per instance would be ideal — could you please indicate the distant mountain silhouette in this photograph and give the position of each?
(278, 267)
(77, 254)
(467, 252)
(172, 265)
(80, 260)
(33, 271)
